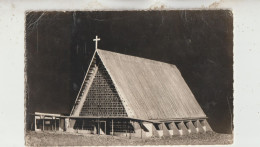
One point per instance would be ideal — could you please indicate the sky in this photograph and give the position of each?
(59, 47)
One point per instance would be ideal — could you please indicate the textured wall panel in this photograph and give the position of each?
(102, 98)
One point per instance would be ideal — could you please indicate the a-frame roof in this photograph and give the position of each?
(150, 89)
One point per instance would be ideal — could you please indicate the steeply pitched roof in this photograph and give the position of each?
(150, 89)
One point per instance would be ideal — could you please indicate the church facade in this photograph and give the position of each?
(133, 96)
(130, 96)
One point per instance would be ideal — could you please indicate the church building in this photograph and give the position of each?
(128, 95)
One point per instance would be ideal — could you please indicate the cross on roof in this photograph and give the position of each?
(96, 40)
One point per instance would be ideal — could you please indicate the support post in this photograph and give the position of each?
(67, 124)
(141, 131)
(205, 125)
(130, 130)
(105, 127)
(55, 123)
(112, 127)
(199, 127)
(183, 128)
(95, 129)
(98, 128)
(51, 123)
(82, 124)
(35, 123)
(126, 128)
(173, 129)
(191, 127)
(43, 124)
(166, 132)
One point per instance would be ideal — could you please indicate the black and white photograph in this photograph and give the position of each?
(129, 73)
(129, 78)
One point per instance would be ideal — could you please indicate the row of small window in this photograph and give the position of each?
(103, 90)
(107, 88)
(103, 105)
(99, 81)
(99, 111)
(100, 72)
(101, 85)
(102, 80)
(103, 100)
(94, 87)
(101, 68)
(100, 75)
(108, 92)
(101, 94)
(103, 108)
(103, 113)
(100, 89)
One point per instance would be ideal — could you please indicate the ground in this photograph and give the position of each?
(72, 139)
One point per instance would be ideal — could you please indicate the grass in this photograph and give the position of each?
(73, 139)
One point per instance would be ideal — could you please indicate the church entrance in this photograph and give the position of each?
(103, 129)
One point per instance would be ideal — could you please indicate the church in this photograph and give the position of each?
(131, 96)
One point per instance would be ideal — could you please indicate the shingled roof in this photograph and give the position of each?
(148, 89)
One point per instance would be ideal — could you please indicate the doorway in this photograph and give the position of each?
(103, 130)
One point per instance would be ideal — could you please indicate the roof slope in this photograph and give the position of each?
(150, 89)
